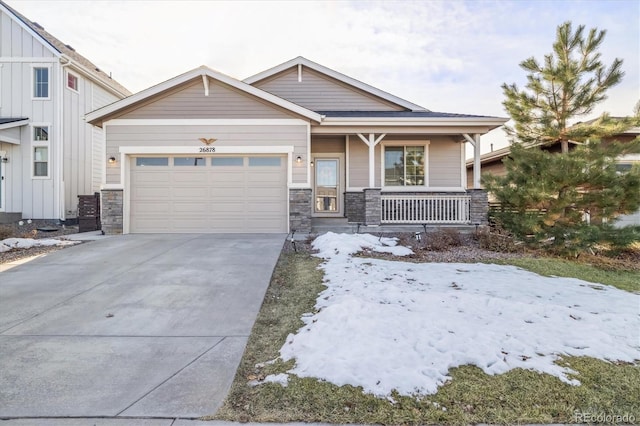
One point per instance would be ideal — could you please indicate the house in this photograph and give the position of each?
(48, 154)
(491, 163)
(205, 152)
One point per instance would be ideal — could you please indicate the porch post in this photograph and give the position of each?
(371, 143)
(475, 142)
(476, 162)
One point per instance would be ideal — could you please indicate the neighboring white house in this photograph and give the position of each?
(48, 154)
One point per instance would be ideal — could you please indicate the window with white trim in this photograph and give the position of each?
(40, 151)
(404, 165)
(72, 81)
(41, 82)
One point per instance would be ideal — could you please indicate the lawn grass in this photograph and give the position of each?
(519, 396)
(622, 279)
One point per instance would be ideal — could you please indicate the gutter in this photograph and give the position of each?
(87, 74)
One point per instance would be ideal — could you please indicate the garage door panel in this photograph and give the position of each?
(265, 192)
(227, 209)
(226, 194)
(154, 176)
(264, 179)
(189, 178)
(151, 193)
(230, 198)
(153, 208)
(219, 177)
(187, 209)
(190, 193)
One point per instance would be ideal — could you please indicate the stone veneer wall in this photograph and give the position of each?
(372, 206)
(112, 211)
(300, 210)
(354, 206)
(479, 206)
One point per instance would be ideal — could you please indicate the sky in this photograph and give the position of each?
(448, 56)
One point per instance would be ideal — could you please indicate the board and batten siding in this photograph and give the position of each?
(16, 42)
(189, 101)
(81, 169)
(225, 135)
(319, 92)
(16, 101)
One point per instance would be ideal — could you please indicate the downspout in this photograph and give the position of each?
(60, 199)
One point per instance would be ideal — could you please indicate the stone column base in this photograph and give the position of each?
(300, 210)
(112, 211)
(479, 207)
(372, 206)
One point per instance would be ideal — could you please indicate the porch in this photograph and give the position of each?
(372, 210)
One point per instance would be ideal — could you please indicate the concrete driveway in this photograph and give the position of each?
(131, 326)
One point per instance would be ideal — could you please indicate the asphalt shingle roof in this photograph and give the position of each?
(7, 120)
(397, 114)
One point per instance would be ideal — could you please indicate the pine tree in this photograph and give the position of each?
(569, 83)
(570, 199)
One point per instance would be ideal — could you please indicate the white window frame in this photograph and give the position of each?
(39, 144)
(33, 82)
(74, 75)
(404, 143)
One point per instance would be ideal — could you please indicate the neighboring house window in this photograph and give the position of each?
(40, 151)
(623, 167)
(404, 165)
(72, 81)
(41, 82)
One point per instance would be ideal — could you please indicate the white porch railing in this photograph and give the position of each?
(427, 208)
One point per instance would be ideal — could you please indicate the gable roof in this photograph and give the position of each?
(66, 52)
(95, 117)
(336, 75)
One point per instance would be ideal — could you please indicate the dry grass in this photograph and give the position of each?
(519, 396)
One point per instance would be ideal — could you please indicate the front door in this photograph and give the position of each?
(327, 191)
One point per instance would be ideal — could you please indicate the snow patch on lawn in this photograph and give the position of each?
(26, 243)
(331, 245)
(387, 325)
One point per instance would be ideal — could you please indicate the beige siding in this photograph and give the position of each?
(328, 144)
(444, 156)
(319, 92)
(189, 101)
(445, 163)
(280, 135)
(493, 168)
(358, 163)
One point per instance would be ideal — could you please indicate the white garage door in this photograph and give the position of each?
(208, 194)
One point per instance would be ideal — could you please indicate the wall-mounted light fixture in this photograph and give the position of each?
(312, 164)
(5, 159)
(112, 160)
(298, 159)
